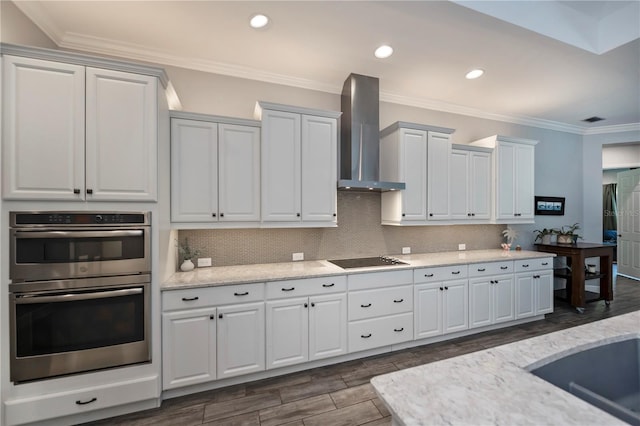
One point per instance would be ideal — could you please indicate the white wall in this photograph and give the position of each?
(16, 28)
(620, 156)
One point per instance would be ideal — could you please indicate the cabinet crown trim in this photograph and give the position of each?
(492, 141)
(260, 105)
(414, 126)
(84, 60)
(214, 118)
(462, 147)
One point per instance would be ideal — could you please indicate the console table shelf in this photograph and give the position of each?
(576, 275)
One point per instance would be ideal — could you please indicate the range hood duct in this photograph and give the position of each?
(360, 136)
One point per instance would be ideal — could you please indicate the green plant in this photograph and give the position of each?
(186, 251)
(542, 233)
(571, 230)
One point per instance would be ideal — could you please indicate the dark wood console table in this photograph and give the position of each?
(576, 273)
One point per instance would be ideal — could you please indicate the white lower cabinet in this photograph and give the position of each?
(201, 342)
(441, 308)
(491, 300)
(383, 331)
(189, 347)
(533, 287)
(310, 324)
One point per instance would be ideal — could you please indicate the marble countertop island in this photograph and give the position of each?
(494, 386)
(241, 274)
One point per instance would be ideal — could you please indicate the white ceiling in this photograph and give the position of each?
(548, 63)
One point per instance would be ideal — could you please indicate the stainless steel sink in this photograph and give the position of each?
(367, 262)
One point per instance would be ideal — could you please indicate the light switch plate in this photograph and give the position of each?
(406, 250)
(297, 256)
(204, 261)
(462, 246)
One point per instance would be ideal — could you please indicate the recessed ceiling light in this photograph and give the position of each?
(259, 21)
(383, 51)
(474, 74)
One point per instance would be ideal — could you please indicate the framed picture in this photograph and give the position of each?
(549, 206)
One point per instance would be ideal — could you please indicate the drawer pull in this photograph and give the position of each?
(545, 263)
(525, 265)
(366, 306)
(365, 336)
(428, 275)
(482, 269)
(246, 293)
(398, 300)
(536, 276)
(94, 399)
(446, 288)
(455, 272)
(504, 267)
(190, 299)
(289, 289)
(328, 285)
(398, 330)
(441, 288)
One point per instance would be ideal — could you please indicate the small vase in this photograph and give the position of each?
(187, 265)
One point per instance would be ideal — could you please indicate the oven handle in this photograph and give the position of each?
(43, 298)
(80, 234)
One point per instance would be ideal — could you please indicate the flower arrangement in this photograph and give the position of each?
(186, 251)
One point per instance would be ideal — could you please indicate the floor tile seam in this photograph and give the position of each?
(236, 413)
(293, 402)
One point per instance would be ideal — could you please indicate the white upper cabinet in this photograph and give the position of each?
(74, 132)
(215, 169)
(43, 129)
(299, 165)
(470, 183)
(419, 156)
(514, 178)
(121, 136)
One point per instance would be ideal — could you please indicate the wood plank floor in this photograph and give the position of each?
(341, 394)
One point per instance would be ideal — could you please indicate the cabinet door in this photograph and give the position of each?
(480, 302)
(544, 289)
(438, 158)
(506, 177)
(455, 306)
(287, 332)
(194, 172)
(413, 172)
(503, 305)
(459, 182)
(240, 339)
(480, 185)
(43, 129)
(525, 295)
(428, 310)
(280, 166)
(327, 326)
(524, 198)
(188, 347)
(319, 168)
(121, 136)
(239, 173)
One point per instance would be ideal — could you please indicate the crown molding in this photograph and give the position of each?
(103, 46)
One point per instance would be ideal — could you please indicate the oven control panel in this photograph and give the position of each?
(29, 219)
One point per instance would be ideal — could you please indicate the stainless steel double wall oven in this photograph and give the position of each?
(80, 292)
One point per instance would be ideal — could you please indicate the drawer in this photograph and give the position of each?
(46, 407)
(373, 333)
(525, 265)
(212, 296)
(490, 268)
(379, 302)
(369, 280)
(306, 287)
(441, 273)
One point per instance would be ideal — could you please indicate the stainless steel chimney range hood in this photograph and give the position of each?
(360, 136)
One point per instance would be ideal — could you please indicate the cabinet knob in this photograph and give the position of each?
(220, 316)
(431, 214)
(403, 215)
(441, 288)
(446, 288)
(213, 214)
(313, 305)
(212, 317)
(76, 190)
(473, 214)
(221, 214)
(335, 214)
(469, 214)
(298, 214)
(89, 191)
(306, 305)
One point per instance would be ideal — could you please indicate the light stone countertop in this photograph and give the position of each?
(494, 386)
(241, 274)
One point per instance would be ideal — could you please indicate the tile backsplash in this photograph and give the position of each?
(358, 234)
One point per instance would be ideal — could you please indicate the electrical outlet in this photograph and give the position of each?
(204, 261)
(297, 256)
(462, 246)
(406, 250)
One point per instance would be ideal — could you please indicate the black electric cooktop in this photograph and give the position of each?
(365, 262)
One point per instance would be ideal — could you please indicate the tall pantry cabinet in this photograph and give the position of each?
(77, 132)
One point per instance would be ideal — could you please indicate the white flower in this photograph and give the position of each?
(510, 234)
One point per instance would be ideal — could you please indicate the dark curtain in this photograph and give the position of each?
(610, 207)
